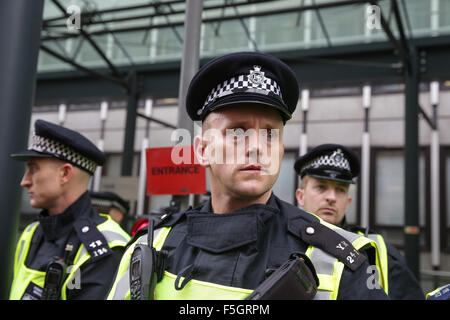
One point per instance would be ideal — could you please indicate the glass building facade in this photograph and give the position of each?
(268, 31)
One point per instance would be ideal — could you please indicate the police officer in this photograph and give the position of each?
(327, 171)
(225, 248)
(110, 203)
(71, 252)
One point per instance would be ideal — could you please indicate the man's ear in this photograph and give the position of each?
(299, 193)
(199, 150)
(349, 200)
(66, 172)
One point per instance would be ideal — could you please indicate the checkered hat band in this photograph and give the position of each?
(108, 204)
(241, 82)
(46, 145)
(329, 161)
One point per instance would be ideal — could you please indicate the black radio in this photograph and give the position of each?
(146, 268)
(54, 277)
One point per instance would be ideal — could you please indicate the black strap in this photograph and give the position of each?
(93, 240)
(187, 273)
(333, 243)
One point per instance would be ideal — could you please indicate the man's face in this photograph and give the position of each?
(116, 215)
(242, 146)
(326, 198)
(42, 180)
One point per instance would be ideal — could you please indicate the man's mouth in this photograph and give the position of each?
(328, 210)
(252, 168)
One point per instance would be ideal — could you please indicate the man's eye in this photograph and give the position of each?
(270, 133)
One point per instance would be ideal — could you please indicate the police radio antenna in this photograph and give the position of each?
(150, 232)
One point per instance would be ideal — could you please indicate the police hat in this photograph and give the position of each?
(109, 199)
(330, 162)
(51, 140)
(243, 77)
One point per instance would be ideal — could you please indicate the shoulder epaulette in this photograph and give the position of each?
(332, 243)
(93, 240)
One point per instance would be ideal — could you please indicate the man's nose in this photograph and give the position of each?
(26, 180)
(254, 146)
(331, 195)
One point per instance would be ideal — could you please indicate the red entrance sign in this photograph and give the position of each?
(173, 170)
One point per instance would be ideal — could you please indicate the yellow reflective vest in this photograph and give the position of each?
(381, 260)
(24, 276)
(329, 270)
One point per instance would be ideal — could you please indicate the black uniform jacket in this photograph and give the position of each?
(236, 249)
(54, 232)
(402, 283)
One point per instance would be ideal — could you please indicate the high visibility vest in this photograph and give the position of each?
(381, 260)
(329, 270)
(24, 276)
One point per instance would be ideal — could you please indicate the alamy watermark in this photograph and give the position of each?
(373, 280)
(236, 146)
(373, 17)
(73, 22)
(75, 281)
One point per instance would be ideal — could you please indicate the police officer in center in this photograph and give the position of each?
(70, 252)
(327, 171)
(110, 203)
(225, 248)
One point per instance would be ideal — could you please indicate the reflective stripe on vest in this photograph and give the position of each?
(165, 289)
(23, 275)
(328, 268)
(382, 263)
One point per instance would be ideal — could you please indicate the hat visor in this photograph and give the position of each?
(250, 98)
(318, 176)
(25, 155)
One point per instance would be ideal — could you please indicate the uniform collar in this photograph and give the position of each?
(172, 219)
(344, 225)
(207, 207)
(56, 225)
(222, 232)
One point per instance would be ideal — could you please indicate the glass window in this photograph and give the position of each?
(419, 15)
(168, 45)
(278, 30)
(389, 188)
(223, 37)
(342, 24)
(444, 17)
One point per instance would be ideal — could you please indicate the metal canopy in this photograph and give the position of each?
(402, 58)
(347, 64)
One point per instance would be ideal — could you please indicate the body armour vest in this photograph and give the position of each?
(226, 256)
(28, 283)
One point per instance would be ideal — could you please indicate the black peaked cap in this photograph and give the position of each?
(52, 140)
(329, 161)
(243, 77)
(107, 198)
